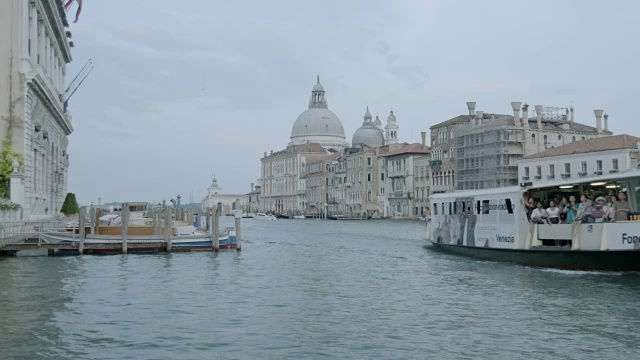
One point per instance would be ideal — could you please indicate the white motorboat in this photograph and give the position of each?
(261, 216)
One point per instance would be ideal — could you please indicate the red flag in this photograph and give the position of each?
(68, 4)
(79, 10)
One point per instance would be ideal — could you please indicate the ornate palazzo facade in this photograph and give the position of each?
(34, 52)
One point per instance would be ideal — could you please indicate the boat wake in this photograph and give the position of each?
(580, 272)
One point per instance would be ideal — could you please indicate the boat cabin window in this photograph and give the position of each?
(485, 206)
(509, 206)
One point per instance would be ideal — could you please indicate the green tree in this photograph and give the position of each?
(70, 205)
(6, 159)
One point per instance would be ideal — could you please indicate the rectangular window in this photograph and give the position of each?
(526, 172)
(509, 206)
(485, 206)
(455, 207)
(478, 207)
(634, 163)
(567, 168)
(450, 209)
(551, 170)
(435, 210)
(598, 165)
(614, 164)
(369, 160)
(538, 170)
(584, 166)
(382, 176)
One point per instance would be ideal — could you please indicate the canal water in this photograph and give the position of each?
(313, 289)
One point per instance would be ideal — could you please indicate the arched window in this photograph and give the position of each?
(369, 177)
(533, 138)
(559, 137)
(573, 139)
(583, 138)
(545, 140)
(369, 195)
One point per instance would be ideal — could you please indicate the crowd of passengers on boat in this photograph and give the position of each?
(593, 207)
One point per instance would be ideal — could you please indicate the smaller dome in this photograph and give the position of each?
(377, 122)
(369, 135)
(318, 86)
(391, 117)
(367, 115)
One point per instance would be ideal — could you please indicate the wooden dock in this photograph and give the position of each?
(111, 248)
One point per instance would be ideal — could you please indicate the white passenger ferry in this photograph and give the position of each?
(492, 224)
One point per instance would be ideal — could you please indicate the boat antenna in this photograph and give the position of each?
(77, 76)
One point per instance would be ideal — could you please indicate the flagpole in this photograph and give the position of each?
(75, 78)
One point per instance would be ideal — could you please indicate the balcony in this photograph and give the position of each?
(525, 178)
(538, 177)
(582, 173)
(433, 163)
(613, 171)
(551, 176)
(565, 176)
(597, 172)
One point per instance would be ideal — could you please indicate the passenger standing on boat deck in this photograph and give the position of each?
(600, 211)
(571, 210)
(538, 216)
(582, 206)
(529, 206)
(553, 213)
(563, 214)
(622, 208)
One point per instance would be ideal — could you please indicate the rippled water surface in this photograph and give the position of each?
(313, 289)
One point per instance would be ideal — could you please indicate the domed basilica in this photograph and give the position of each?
(320, 125)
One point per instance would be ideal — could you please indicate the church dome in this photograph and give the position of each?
(318, 124)
(317, 121)
(391, 118)
(368, 133)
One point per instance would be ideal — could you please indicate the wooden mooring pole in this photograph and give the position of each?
(238, 235)
(215, 232)
(81, 224)
(167, 227)
(125, 226)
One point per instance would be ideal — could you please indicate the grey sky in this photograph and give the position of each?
(182, 90)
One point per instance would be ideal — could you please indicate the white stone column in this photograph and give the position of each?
(41, 44)
(24, 29)
(34, 35)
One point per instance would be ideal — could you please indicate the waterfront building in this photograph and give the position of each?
(253, 199)
(34, 53)
(283, 188)
(399, 164)
(481, 150)
(353, 181)
(229, 202)
(317, 184)
(580, 160)
(422, 182)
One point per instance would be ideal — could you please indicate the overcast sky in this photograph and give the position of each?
(185, 89)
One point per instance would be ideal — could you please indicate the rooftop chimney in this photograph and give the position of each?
(572, 116)
(424, 137)
(251, 186)
(516, 112)
(472, 108)
(271, 152)
(479, 115)
(525, 115)
(265, 154)
(539, 115)
(606, 122)
(565, 123)
(598, 119)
